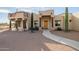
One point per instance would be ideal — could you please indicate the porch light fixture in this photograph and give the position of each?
(70, 20)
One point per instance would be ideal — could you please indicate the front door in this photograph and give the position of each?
(45, 24)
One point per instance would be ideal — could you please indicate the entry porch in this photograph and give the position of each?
(18, 24)
(46, 22)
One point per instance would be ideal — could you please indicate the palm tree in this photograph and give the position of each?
(66, 19)
(31, 22)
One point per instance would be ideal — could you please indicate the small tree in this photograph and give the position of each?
(66, 19)
(31, 22)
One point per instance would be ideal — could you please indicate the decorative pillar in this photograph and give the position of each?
(10, 25)
(27, 25)
(52, 21)
(16, 25)
(40, 22)
(22, 24)
(40, 27)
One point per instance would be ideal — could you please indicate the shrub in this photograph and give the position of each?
(36, 28)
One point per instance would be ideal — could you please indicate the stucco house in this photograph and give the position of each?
(59, 21)
(21, 19)
(75, 21)
(44, 20)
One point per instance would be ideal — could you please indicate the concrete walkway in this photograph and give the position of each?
(72, 43)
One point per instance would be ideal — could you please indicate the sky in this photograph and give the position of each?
(57, 10)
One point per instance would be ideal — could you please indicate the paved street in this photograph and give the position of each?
(27, 41)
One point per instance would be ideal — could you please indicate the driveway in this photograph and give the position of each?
(27, 41)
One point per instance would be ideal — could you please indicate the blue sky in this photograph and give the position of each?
(57, 10)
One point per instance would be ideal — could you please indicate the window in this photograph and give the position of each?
(36, 22)
(57, 22)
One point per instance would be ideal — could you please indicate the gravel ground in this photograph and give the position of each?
(73, 35)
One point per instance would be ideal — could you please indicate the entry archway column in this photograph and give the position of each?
(27, 25)
(22, 24)
(52, 21)
(10, 25)
(40, 27)
(16, 25)
(40, 22)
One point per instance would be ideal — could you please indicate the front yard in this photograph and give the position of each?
(27, 41)
(73, 35)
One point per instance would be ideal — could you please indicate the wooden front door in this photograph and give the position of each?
(46, 24)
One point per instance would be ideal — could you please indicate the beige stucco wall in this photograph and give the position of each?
(19, 15)
(47, 12)
(36, 19)
(61, 17)
(75, 22)
(29, 20)
(11, 17)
